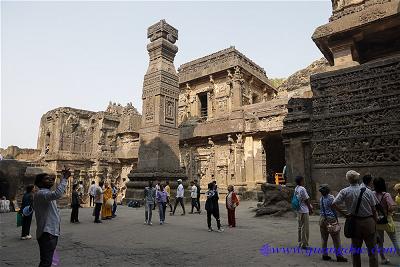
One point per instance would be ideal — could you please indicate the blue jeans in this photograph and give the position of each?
(148, 209)
(162, 206)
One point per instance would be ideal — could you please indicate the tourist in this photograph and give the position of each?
(305, 208)
(397, 189)
(80, 192)
(4, 205)
(27, 202)
(329, 224)
(149, 201)
(212, 207)
(364, 217)
(232, 202)
(157, 187)
(285, 174)
(106, 211)
(367, 181)
(180, 191)
(167, 189)
(114, 190)
(75, 204)
(98, 200)
(47, 214)
(161, 197)
(198, 194)
(91, 192)
(193, 196)
(388, 226)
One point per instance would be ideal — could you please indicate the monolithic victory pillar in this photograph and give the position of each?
(159, 134)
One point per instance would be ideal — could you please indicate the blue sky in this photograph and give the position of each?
(84, 54)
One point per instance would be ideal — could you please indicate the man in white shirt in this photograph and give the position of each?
(364, 219)
(98, 200)
(91, 192)
(179, 197)
(193, 196)
(303, 212)
(4, 205)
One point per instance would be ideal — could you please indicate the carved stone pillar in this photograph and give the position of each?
(159, 135)
(237, 85)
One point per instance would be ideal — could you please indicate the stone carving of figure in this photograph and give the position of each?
(210, 142)
(239, 140)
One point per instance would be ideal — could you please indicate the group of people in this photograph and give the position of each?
(4, 205)
(161, 195)
(104, 199)
(368, 209)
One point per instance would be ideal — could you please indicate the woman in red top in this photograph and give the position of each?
(232, 202)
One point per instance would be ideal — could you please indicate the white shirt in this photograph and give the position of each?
(4, 205)
(302, 195)
(98, 196)
(92, 189)
(193, 192)
(180, 190)
(349, 196)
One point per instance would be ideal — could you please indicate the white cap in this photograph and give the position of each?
(179, 180)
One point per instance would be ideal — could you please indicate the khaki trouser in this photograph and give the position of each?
(323, 222)
(303, 230)
(365, 230)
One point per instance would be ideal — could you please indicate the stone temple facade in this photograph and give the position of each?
(95, 145)
(230, 121)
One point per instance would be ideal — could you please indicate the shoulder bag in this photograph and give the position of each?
(331, 227)
(349, 225)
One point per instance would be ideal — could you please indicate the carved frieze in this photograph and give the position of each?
(355, 117)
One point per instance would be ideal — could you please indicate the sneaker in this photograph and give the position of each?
(326, 258)
(28, 237)
(220, 230)
(210, 229)
(161, 222)
(341, 259)
(385, 261)
(23, 238)
(145, 222)
(150, 223)
(183, 214)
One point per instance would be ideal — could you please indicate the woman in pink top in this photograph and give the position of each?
(388, 206)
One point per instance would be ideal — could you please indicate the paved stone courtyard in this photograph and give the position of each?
(182, 241)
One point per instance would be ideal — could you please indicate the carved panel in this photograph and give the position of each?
(149, 109)
(356, 116)
(169, 110)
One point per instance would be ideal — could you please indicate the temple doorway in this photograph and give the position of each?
(274, 155)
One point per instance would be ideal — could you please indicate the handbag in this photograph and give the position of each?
(19, 219)
(349, 225)
(333, 227)
(382, 219)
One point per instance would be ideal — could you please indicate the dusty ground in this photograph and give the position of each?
(183, 241)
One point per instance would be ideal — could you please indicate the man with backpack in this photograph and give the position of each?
(301, 203)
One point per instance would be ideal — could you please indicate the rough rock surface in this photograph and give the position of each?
(298, 84)
(277, 201)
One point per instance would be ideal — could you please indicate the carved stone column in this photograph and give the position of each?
(159, 135)
(237, 85)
